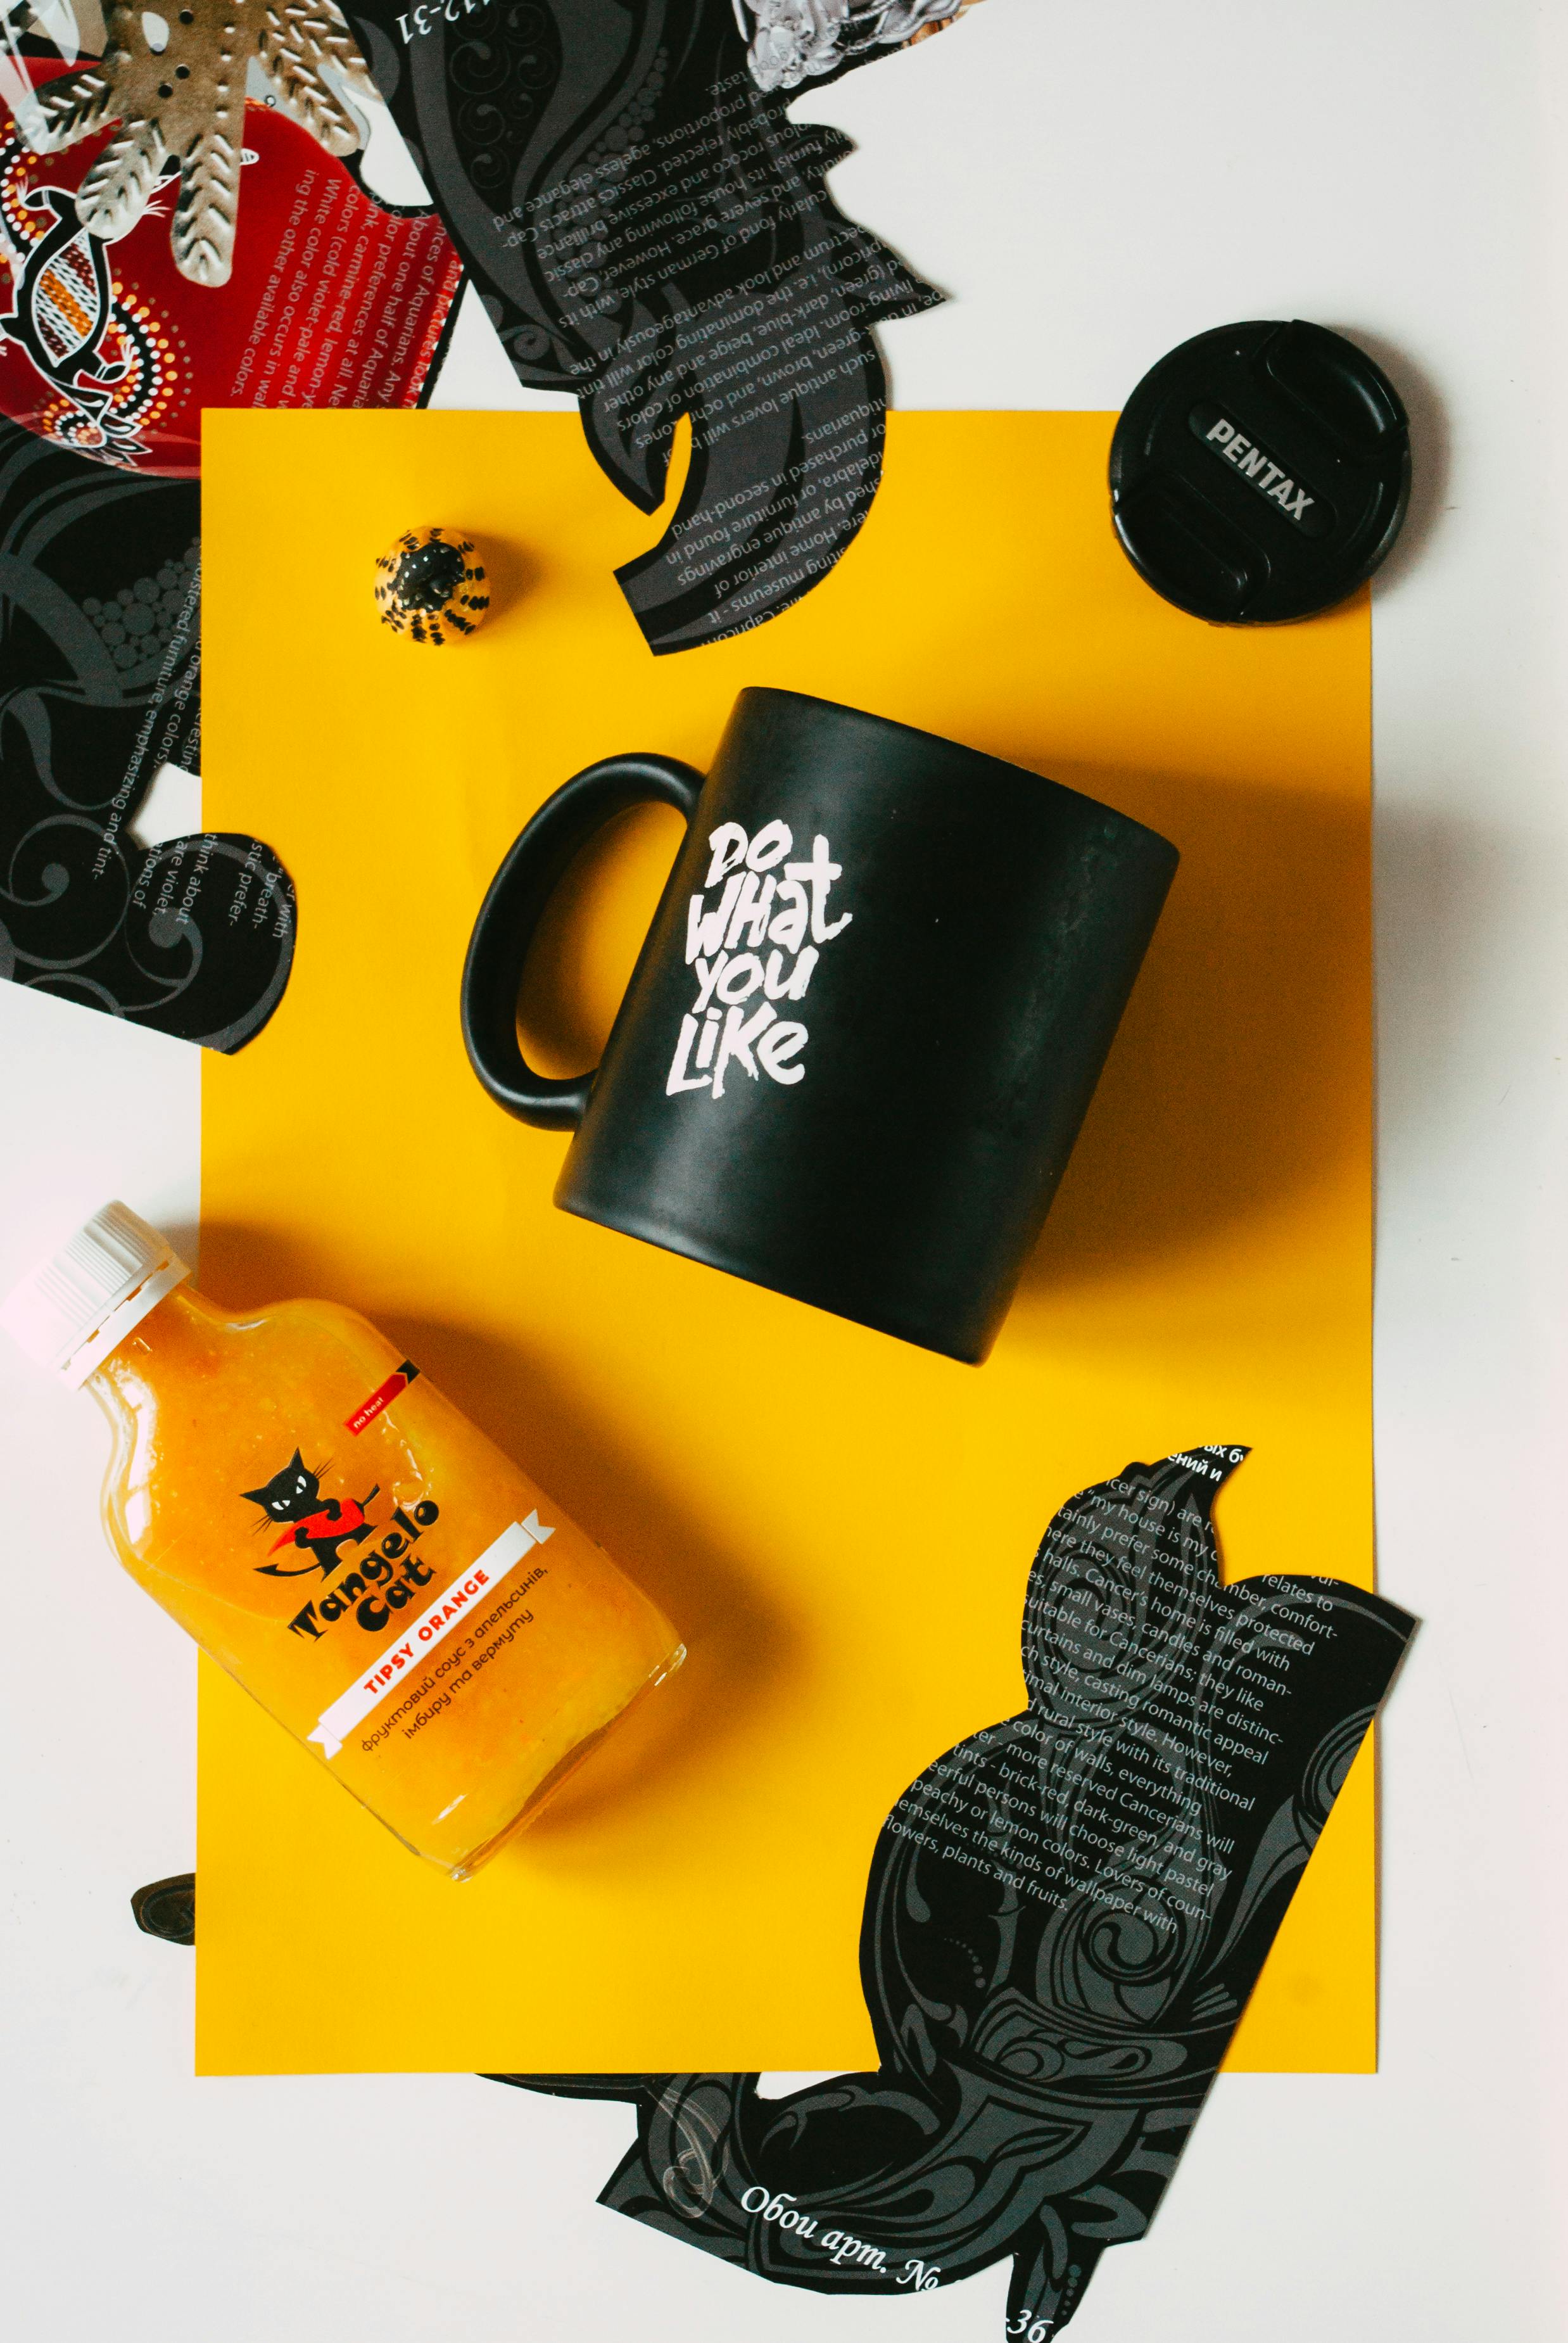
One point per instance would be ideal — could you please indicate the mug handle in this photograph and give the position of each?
(511, 913)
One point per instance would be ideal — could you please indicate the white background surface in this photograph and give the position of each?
(1092, 180)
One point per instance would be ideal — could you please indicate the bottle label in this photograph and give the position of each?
(383, 1596)
(466, 1593)
(396, 1383)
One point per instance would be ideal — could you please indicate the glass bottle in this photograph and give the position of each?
(385, 1582)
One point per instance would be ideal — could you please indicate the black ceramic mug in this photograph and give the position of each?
(861, 1035)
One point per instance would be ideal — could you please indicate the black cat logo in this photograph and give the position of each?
(320, 1525)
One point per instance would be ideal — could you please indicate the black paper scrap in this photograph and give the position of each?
(1065, 1917)
(165, 1908)
(649, 231)
(99, 687)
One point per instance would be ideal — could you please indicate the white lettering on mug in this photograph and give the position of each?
(728, 843)
(778, 1046)
(747, 969)
(740, 1032)
(748, 920)
(791, 986)
(732, 1024)
(788, 927)
(770, 845)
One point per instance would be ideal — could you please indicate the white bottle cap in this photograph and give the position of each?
(72, 1310)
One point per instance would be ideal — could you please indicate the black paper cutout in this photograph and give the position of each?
(99, 686)
(165, 1908)
(1065, 1917)
(649, 231)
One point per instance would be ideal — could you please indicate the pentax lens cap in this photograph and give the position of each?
(1260, 472)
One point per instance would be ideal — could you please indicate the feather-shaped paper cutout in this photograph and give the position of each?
(114, 193)
(72, 107)
(204, 221)
(187, 98)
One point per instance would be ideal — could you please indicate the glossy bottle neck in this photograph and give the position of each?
(176, 1335)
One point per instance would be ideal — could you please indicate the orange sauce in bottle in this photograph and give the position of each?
(390, 1586)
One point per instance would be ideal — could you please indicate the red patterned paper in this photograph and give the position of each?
(106, 349)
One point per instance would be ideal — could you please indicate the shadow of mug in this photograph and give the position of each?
(1226, 1091)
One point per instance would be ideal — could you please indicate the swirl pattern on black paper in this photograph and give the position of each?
(1065, 1916)
(649, 230)
(99, 606)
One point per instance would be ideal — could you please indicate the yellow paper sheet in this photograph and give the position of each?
(841, 1525)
